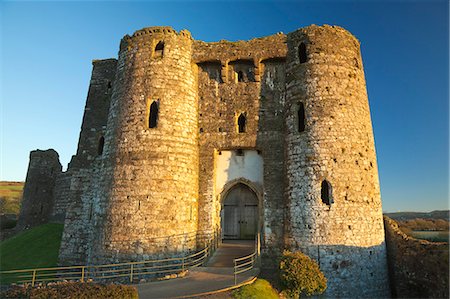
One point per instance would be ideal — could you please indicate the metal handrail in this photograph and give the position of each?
(248, 261)
(130, 269)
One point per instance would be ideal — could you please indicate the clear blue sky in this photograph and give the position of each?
(47, 48)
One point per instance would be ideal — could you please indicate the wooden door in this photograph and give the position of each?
(248, 222)
(231, 223)
(240, 213)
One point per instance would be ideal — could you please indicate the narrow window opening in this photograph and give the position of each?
(326, 193)
(42, 208)
(302, 53)
(241, 123)
(201, 130)
(101, 144)
(90, 211)
(109, 85)
(240, 76)
(159, 49)
(153, 115)
(139, 205)
(301, 117)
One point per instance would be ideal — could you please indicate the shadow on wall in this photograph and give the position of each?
(417, 268)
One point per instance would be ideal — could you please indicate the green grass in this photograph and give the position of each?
(260, 289)
(10, 197)
(35, 248)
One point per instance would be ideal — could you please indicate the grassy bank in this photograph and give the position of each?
(35, 248)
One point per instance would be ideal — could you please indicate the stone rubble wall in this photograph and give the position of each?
(95, 113)
(337, 146)
(417, 268)
(76, 241)
(61, 197)
(38, 200)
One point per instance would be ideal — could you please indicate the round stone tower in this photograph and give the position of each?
(151, 150)
(333, 200)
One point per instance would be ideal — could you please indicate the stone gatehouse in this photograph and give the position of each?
(183, 141)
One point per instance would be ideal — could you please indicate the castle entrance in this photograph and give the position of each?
(240, 213)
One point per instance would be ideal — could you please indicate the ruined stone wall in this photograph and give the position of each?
(95, 115)
(417, 268)
(61, 196)
(259, 96)
(149, 197)
(335, 150)
(37, 201)
(76, 241)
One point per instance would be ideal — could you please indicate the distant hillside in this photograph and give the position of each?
(403, 216)
(10, 197)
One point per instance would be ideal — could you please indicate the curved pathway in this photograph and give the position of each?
(217, 275)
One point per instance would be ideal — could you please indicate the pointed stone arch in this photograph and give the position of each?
(244, 215)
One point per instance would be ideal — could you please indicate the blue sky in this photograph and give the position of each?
(47, 49)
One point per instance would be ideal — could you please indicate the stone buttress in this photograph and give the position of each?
(333, 200)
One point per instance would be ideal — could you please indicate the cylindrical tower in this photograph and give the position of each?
(333, 199)
(151, 150)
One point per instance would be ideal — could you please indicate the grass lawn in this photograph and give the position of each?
(10, 197)
(261, 288)
(34, 248)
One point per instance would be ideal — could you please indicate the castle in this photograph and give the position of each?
(183, 141)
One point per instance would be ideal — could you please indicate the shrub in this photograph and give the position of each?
(261, 288)
(72, 290)
(300, 275)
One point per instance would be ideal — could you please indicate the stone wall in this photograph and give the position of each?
(259, 96)
(91, 141)
(333, 198)
(61, 197)
(37, 201)
(417, 268)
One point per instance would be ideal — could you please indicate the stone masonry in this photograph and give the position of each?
(150, 179)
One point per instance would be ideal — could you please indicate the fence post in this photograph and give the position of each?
(258, 244)
(234, 272)
(182, 264)
(131, 273)
(34, 278)
(82, 274)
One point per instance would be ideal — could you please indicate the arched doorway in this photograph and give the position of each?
(240, 213)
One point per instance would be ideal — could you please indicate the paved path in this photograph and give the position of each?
(229, 250)
(217, 275)
(198, 281)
